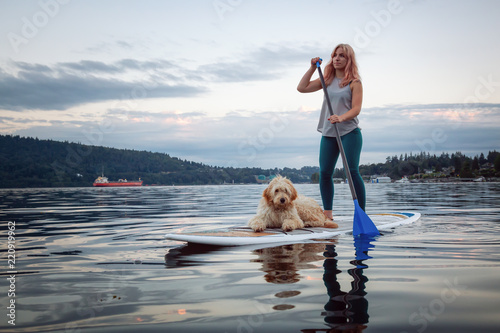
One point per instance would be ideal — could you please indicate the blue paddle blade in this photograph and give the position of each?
(362, 224)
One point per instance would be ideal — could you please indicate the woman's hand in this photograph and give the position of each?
(335, 119)
(306, 85)
(315, 60)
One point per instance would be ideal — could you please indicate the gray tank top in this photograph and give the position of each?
(341, 100)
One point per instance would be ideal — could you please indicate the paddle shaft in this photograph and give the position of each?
(337, 135)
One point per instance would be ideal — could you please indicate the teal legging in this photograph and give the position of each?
(328, 156)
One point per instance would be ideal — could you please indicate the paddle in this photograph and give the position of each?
(362, 224)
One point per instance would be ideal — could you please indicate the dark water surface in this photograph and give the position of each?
(95, 260)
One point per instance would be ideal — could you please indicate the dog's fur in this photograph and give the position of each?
(282, 207)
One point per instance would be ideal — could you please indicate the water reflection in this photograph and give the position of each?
(188, 255)
(346, 311)
(79, 248)
(282, 263)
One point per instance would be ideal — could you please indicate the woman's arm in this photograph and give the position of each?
(305, 84)
(357, 100)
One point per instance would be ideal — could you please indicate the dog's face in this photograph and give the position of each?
(280, 193)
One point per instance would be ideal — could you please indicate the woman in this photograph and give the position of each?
(346, 95)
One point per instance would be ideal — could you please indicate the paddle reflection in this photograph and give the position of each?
(346, 311)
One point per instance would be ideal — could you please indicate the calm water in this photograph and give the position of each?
(94, 260)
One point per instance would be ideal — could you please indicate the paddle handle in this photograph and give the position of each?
(337, 135)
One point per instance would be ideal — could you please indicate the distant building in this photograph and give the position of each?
(381, 179)
(487, 166)
(449, 171)
(262, 179)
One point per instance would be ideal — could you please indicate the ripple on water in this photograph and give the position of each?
(103, 250)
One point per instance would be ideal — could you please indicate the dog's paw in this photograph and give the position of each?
(257, 225)
(313, 224)
(331, 224)
(289, 225)
(258, 229)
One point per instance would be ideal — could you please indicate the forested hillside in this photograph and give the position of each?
(30, 162)
(444, 165)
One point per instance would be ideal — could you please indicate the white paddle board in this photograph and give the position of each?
(235, 236)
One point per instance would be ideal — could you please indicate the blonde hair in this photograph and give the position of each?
(351, 68)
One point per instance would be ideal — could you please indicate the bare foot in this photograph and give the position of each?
(328, 214)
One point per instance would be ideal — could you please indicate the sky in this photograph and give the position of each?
(215, 81)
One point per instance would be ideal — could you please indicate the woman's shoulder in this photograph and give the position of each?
(354, 82)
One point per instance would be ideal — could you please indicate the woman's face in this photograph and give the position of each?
(339, 59)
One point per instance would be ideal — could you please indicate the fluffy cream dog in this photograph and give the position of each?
(282, 207)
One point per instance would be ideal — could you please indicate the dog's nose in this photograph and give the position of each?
(282, 200)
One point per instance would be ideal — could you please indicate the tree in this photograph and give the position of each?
(497, 163)
(339, 173)
(492, 155)
(466, 171)
(475, 164)
(315, 178)
(482, 159)
(457, 162)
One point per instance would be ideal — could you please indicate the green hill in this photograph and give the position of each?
(30, 162)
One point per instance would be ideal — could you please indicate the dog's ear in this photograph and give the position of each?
(292, 190)
(294, 193)
(267, 194)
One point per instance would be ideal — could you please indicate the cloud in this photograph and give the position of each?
(239, 139)
(433, 128)
(268, 62)
(96, 67)
(66, 85)
(111, 47)
(284, 139)
(232, 72)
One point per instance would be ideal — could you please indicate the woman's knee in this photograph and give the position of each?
(354, 171)
(325, 174)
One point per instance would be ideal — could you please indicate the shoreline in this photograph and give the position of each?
(412, 181)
